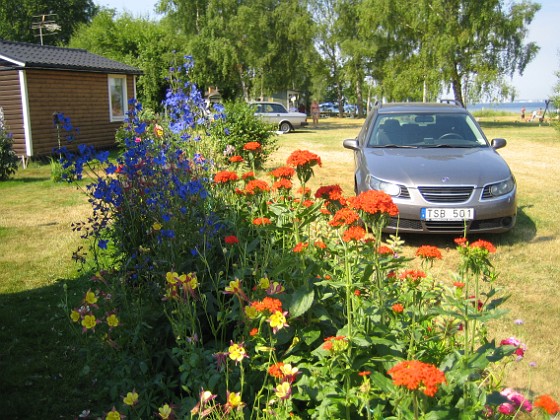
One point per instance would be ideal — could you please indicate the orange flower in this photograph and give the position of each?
(398, 308)
(462, 241)
(344, 216)
(301, 158)
(256, 185)
(320, 244)
(413, 275)
(417, 375)
(459, 284)
(384, 250)
(282, 183)
(335, 344)
(248, 175)
(223, 177)
(236, 159)
(252, 146)
(269, 304)
(283, 172)
(300, 247)
(260, 221)
(482, 244)
(373, 202)
(428, 252)
(548, 404)
(254, 332)
(276, 370)
(354, 233)
(364, 373)
(332, 193)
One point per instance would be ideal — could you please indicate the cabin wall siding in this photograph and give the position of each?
(10, 101)
(81, 96)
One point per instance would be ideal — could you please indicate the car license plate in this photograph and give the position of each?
(447, 214)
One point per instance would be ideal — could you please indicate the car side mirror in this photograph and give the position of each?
(498, 143)
(351, 144)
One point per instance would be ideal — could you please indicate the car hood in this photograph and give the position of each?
(432, 166)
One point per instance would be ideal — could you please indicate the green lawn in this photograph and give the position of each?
(39, 363)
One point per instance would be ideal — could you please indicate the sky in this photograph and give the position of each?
(539, 77)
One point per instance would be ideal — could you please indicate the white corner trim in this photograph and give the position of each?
(25, 110)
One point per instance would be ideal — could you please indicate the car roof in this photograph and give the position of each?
(399, 107)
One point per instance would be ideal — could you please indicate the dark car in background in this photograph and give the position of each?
(438, 166)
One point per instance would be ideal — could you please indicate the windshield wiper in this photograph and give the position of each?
(394, 146)
(450, 146)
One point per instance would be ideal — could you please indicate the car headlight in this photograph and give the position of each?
(387, 187)
(501, 188)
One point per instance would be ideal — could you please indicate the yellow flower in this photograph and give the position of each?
(172, 277)
(288, 370)
(158, 130)
(234, 400)
(157, 226)
(90, 297)
(284, 390)
(165, 411)
(192, 280)
(89, 322)
(236, 352)
(264, 283)
(251, 312)
(113, 415)
(234, 287)
(131, 398)
(113, 321)
(75, 315)
(277, 321)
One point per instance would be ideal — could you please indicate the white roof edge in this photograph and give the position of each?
(11, 60)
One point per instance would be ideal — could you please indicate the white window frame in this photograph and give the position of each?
(117, 112)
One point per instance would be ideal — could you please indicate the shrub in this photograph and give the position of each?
(8, 158)
(241, 126)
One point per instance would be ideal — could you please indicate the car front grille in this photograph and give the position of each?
(446, 194)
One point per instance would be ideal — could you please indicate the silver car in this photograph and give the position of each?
(275, 113)
(436, 163)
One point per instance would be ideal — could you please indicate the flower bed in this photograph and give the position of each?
(226, 292)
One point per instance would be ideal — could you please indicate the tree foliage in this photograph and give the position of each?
(17, 17)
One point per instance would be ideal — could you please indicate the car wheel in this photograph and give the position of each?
(285, 127)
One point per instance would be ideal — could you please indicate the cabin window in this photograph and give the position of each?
(117, 97)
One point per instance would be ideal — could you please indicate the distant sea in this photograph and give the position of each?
(513, 107)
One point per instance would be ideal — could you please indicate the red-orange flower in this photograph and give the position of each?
(331, 192)
(254, 332)
(482, 244)
(252, 146)
(255, 186)
(282, 184)
(417, 375)
(283, 172)
(364, 373)
(269, 304)
(231, 239)
(460, 241)
(320, 244)
(300, 247)
(384, 250)
(398, 308)
(548, 404)
(335, 344)
(276, 370)
(459, 284)
(223, 177)
(300, 158)
(344, 216)
(413, 275)
(354, 233)
(236, 159)
(260, 221)
(373, 202)
(248, 175)
(428, 252)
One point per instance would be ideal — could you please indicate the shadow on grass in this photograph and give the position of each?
(39, 360)
(524, 231)
(510, 124)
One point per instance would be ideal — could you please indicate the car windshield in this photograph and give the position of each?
(426, 130)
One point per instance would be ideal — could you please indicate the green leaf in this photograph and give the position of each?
(301, 302)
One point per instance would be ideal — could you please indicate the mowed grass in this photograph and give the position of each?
(39, 363)
(528, 258)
